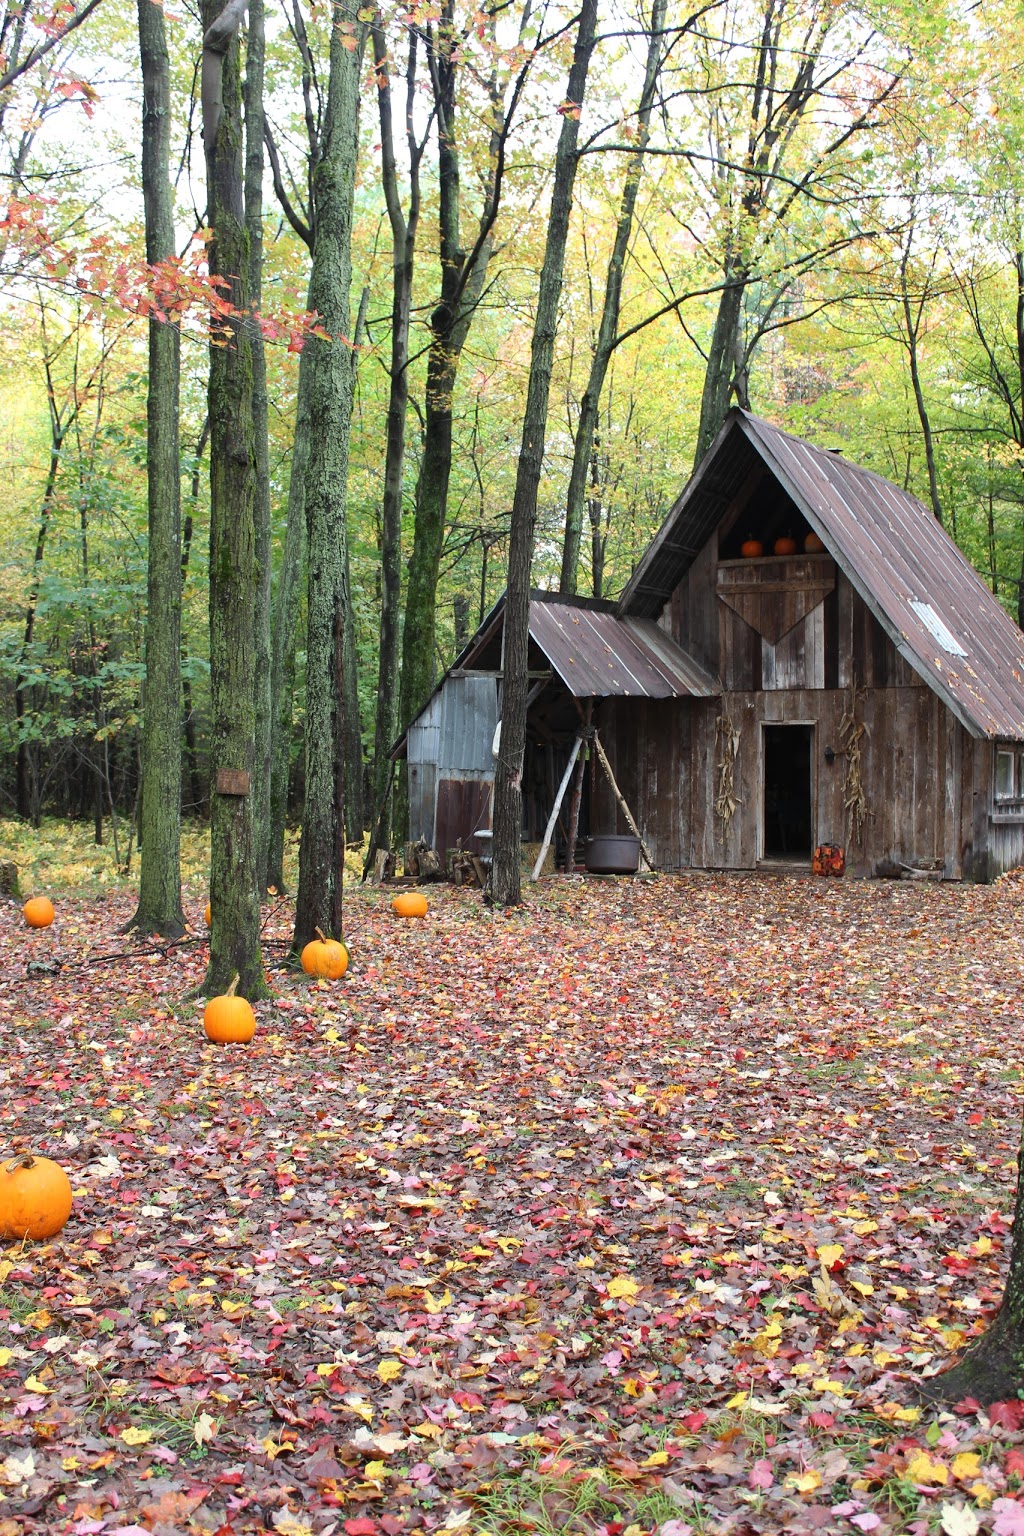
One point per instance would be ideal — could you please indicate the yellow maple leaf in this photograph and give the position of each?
(966, 1464)
(426, 1431)
(928, 1470)
(328, 1367)
(621, 1286)
(135, 1436)
(864, 1228)
(437, 1303)
(35, 1385)
(5, 1356)
(275, 1448)
(656, 1459)
(982, 1494)
(508, 1244)
(389, 1370)
(804, 1482)
(830, 1253)
(375, 1470)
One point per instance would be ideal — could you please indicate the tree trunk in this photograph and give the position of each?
(191, 749)
(913, 325)
(508, 799)
(355, 797)
(587, 424)
(322, 851)
(159, 909)
(720, 374)
(403, 240)
(254, 70)
(286, 607)
(234, 564)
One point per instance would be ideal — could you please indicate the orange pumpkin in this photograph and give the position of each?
(35, 1197)
(38, 912)
(813, 545)
(229, 1020)
(785, 545)
(208, 914)
(410, 904)
(751, 549)
(325, 957)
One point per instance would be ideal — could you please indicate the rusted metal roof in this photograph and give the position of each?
(598, 655)
(935, 608)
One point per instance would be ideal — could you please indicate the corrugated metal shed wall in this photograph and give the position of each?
(423, 745)
(469, 714)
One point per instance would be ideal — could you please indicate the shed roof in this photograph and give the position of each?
(599, 655)
(935, 608)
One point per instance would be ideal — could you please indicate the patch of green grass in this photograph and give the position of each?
(555, 1495)
(17, 1307)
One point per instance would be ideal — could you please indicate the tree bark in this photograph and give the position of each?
(255, 51)
(586, 427)
(508, 799)
(234, 562)
(159, 909)
(720, 373)
(404, 229)
(322, 851)
(286, 608)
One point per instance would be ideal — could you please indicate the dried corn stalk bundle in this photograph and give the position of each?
(852, 732)
(727, 745)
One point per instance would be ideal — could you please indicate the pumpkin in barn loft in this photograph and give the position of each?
(325, 957)
(785, 545)
(751, 549)
(38, 912)
(229, 1020)
(35, 1197)
(813, 545)
(410, 904)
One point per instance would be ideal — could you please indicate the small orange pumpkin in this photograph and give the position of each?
(229, 1020)
(785, 545)
(38, 912)
(751, 549)
(35, 1197)
(410, 904)
(208, 914)
(325, 957)
(813, 545)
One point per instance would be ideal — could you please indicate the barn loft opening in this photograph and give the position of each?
(787, 792)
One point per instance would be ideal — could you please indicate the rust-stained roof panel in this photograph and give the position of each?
(598, 655)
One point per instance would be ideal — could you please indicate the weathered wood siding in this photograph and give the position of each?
(812, 648)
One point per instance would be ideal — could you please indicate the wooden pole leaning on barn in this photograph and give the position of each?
(606, 765)
(549, 830)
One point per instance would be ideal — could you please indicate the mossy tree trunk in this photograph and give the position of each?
(508, 792)
(322, 851)
(286, 609)
(253, 104)
(234, 555)
(159, 909)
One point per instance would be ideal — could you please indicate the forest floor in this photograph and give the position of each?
(639, 1209)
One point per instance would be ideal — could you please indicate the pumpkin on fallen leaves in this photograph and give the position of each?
(38, 912)
(325, 957)
(35, 1197)
(229, 1020)
(410, 904)
(208, 914)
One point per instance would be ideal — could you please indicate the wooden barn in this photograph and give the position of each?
(801, 657)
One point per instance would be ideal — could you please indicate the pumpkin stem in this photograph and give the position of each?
(321, 935)
(20, 1160)
(234, 983)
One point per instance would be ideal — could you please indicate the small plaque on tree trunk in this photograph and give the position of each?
(232, 781)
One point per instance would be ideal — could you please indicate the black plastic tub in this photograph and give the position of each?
(612, 855)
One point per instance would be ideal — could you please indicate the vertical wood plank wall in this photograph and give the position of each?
(927, 783)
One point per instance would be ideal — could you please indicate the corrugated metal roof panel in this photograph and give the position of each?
(598, 655)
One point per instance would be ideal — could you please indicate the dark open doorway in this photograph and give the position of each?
(787, 791)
